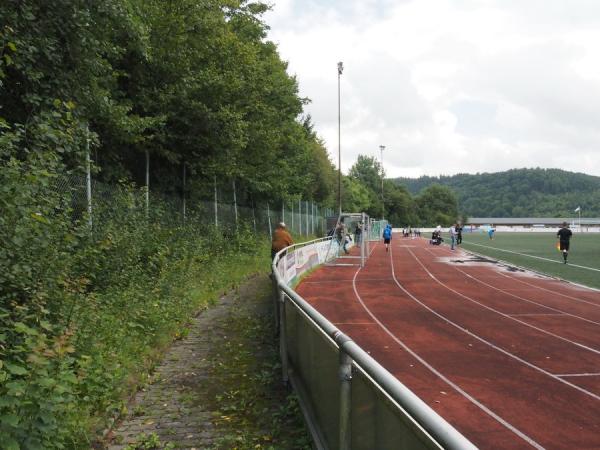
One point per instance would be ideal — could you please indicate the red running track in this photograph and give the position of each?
(510, 358)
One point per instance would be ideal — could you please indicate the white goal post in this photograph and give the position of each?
(350, 240)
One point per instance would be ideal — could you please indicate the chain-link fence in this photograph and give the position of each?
(301, 217)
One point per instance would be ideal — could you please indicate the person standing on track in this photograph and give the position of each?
(387, 236)
(564, 236)
(358, 233)
(459, 229)
(453, 235)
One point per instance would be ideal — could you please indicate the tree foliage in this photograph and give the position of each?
(365, 185)
(191, 82)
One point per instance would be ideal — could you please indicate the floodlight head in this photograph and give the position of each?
(340, 67)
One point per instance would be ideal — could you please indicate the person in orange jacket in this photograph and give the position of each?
(281, 239)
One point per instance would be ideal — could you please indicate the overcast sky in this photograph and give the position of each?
(450, 86)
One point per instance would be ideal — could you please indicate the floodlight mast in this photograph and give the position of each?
(382, 148)
(340, 67)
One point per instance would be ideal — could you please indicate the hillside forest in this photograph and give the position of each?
(518, 192)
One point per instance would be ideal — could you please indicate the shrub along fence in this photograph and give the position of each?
(95, 279)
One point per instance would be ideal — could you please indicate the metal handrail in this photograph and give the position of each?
(436, 426)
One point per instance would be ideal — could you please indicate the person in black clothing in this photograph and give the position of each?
(358, 233)
(564, 236)
(459, 229)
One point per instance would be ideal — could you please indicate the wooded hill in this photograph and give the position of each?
(518, 192)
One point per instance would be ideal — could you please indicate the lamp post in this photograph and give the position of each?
(340, 68)
(382, 148)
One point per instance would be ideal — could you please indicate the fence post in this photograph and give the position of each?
(183, 192)
(88, 176)
(253, 216)
(216, 207)
(282, 338)
(235, 203)
(345, 377)
(319, 221)
(269, 219)
(362, 240)
(147, 182)
(312, 215)
(299, 216)
(307, 217)
(276, 302)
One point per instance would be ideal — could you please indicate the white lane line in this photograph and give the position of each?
(579, 375)
(551, 291)
(533, 256)
(353, 323)
(522, 298)
(501, 350)
(536, 314)
(466, 297)
(338, 280)
(440, 375)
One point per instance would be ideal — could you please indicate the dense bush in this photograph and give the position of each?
(83, 311)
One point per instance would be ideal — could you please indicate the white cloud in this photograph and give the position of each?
(450, 85)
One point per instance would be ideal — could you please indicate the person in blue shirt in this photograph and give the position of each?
(491, 232)
(387, 236)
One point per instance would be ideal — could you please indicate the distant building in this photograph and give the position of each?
(531, 222)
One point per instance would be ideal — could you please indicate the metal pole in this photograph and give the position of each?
(345, 377)
(183, 192)
(340, 70)
(269, 220)
(283, 211)
(216, 207)
(88, 176)
(312, 216)
(147, 182)
(299, 216)
(235, 203)
(292, 217)
(362, 240)
(253, 216)
(382, 148)
(282, 338)
(307, 217)
(580, 219)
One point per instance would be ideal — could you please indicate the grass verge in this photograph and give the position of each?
(255, 410)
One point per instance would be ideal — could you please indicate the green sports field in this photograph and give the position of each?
(527, 249)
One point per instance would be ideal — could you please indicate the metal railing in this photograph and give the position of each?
(348, 399)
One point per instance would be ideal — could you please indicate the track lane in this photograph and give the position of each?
(517, 286)
(474, 313)
(481, 371)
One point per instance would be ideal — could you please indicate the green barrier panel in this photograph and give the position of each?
(377, 422)
(314, 362)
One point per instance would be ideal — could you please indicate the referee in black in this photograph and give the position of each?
(564, 236)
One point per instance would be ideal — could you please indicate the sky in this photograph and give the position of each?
(449, 86)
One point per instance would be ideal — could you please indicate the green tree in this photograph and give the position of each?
(368, 171)
(436, 205)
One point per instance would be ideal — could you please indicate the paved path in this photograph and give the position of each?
(177, 405)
